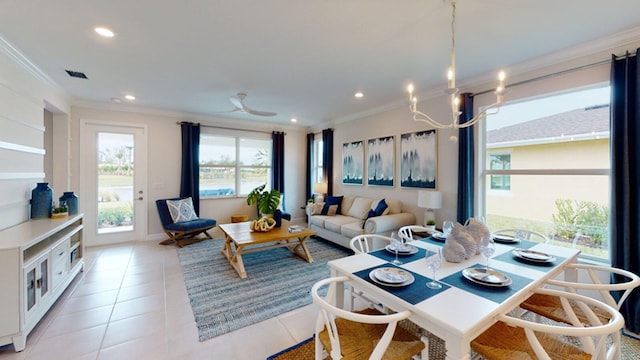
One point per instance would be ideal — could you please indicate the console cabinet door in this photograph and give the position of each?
(37, 284)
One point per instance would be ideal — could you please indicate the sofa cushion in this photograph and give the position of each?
(333, 209)
(395, 206)
(352, 229)
(331, 200)
(317, 220)
(380, 207)
(360, 208)
(315, 209)
(182, 210)
(347, 201)
(372, 213)
(334, 223)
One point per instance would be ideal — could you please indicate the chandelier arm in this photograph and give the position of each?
(420, 116)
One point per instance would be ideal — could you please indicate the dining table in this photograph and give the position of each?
(461, 309)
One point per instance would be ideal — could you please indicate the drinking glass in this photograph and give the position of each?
(447, 226)
(434, 260)
(395, 244)
(487, 248)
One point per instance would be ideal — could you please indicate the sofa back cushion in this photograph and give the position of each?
(360, 208)
(347, 201)
(395, 206)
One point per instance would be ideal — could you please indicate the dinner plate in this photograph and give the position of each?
(404, 250)
(439, 236)
(505, 239)
(391, 277)
(532, 255)
(488, 277)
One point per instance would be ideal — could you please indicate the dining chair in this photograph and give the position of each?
(406, 232)
(522, 234)
(368, 334)
(363, 244)
(518, 338)
(551, 307)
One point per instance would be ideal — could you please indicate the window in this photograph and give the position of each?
(233, 165)
(317, 161)
(552, 155)
(500, 162)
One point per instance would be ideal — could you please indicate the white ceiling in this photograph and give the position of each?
(302, 59)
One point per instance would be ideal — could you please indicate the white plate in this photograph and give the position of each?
(405, 250)
(532, 255)
(391, 277)
(439, 236)
(487, 277)
(505, 239)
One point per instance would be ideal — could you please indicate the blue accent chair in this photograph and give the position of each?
(184, 232)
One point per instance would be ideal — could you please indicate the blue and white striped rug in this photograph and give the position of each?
(277, 282)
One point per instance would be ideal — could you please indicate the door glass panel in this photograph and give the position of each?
(115, 182)
(31, 288)
(44, 277)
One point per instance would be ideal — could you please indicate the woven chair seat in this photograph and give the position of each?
(357, 340)
(550, 307)
(502, 341)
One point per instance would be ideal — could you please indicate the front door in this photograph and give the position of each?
(113, 182)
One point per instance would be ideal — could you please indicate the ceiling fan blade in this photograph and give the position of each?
(236, 100)
(259, 113)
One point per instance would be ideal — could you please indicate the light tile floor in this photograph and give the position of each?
(131, 303)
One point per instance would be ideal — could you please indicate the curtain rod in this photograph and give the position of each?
(229, 128)
(563, 72)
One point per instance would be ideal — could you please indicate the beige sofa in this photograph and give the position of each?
(349, 221)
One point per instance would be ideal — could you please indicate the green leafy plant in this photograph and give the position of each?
(267, 201)
(586, 217)
(431, 222)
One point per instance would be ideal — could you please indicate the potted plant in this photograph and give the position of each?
(431, 225)
(267, 201)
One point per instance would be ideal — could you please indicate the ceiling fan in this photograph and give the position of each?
(238, 101)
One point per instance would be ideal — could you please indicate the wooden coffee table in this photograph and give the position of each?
(239, 239)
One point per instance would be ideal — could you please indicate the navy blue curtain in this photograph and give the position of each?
(466, 164)
(327, 159)
(277, 163)
(190, 175)
(625, 176)
(309, 187)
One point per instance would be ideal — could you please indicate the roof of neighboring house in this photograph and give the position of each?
(576, 122)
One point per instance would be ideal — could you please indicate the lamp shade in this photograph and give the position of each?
(320, 188)
(429, 199)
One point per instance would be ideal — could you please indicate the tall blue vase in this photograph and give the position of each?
(277, 216)
(41, 201)
(72, 201)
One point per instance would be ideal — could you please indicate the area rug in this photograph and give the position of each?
(277, 282)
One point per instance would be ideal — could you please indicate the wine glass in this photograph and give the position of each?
(434, 260)
(447, 226)
(395, 244)
(487, 248)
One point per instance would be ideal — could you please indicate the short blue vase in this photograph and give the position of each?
(72, 201)
(41, 201)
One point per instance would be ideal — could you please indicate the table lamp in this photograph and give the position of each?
(320, 189)
(430, 200)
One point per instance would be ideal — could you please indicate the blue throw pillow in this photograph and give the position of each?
(372, 213)
(332, 200)
(381, 207)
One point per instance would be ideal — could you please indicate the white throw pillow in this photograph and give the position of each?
(182, 210)
(360, 208)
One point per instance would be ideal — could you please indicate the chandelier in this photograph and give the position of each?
(452, 91)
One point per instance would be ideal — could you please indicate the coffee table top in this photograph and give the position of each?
(241, 234)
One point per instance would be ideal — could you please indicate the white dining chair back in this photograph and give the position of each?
(368, 242)
(335, 333)
(406, 232)
(511, 334)
(522, 234)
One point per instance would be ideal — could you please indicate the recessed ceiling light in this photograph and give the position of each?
(359, 94)
(116, 100)
(104, 32)
(294, 120)
(129, 97)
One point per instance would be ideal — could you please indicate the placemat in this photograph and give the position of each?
(523, 244)
(413, 293)
(495, 294)
(431, 240)
(387, 256)
(508, 257)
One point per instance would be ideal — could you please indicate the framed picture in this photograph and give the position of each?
(352, 162)
(418, 168)
(381, 161)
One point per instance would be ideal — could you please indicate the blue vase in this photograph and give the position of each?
(277, 216)
(41, 201)
(72, 201)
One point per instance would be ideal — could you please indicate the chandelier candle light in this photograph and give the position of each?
(452, 91)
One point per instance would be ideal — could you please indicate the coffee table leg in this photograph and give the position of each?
(234, 257)
(301, 249)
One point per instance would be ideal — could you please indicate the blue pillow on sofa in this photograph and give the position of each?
(372, 213)
(332, 200)
(381, 207)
